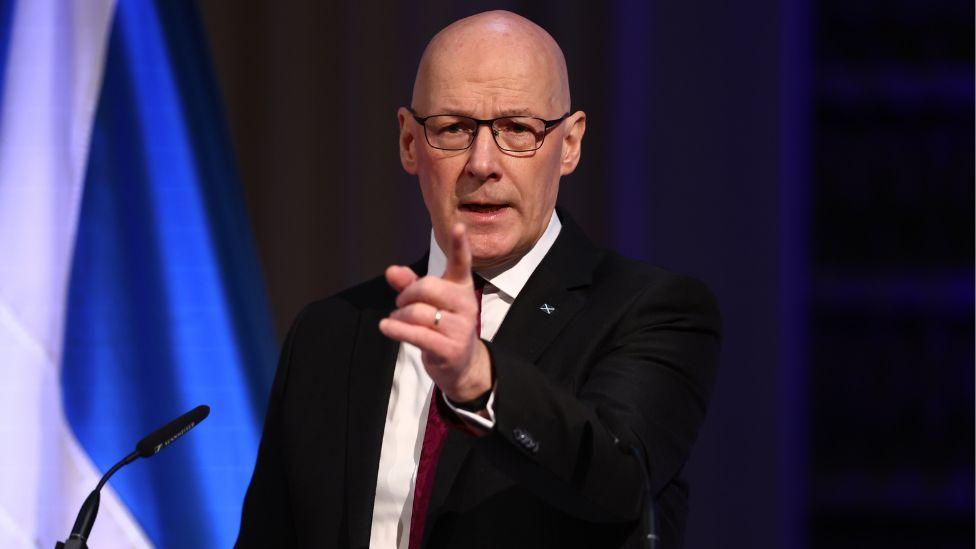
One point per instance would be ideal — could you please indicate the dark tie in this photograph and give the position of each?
(434, 435)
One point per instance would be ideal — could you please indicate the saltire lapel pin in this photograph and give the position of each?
(547, 308)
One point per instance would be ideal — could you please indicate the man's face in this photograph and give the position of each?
(505, 199)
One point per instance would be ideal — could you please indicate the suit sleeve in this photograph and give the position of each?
(266, 517)
(647, 389)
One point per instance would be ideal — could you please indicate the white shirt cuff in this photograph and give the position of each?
(471, 417)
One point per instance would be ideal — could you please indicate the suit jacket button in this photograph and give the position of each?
(525, 440)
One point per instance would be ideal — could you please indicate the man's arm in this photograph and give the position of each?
(266, 519)
(649, 390)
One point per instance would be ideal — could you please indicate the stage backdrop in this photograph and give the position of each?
(129, 287)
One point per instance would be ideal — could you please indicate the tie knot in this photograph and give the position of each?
(479, 282)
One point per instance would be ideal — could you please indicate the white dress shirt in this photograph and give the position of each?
(406, 414)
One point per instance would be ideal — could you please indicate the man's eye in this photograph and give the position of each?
(452, 128)
(514, 127)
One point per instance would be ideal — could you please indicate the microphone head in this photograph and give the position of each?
(165, 435)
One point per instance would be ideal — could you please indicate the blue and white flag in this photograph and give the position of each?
(129, 287)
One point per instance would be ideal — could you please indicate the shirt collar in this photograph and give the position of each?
(511, 280)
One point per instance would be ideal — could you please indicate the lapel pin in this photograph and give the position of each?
(547, 308)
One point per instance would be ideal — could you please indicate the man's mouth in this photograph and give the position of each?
(483, 208)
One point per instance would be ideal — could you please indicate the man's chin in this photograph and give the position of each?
(485, 258)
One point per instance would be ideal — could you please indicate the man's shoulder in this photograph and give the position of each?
(617, 274)
(337, 318)
(373, 294)
(652, 282)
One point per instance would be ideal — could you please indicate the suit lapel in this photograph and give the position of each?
(528, 330)
(551, 297)
(370, 382)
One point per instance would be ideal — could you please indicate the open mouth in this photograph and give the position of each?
(483, 208)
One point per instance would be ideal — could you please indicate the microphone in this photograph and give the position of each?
(165, 435)
(147, 447)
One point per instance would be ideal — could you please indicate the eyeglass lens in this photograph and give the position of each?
(516, 133)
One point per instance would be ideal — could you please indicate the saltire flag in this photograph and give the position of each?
(129, 286)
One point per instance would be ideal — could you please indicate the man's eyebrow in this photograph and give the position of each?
(497, 114)
(516, 112)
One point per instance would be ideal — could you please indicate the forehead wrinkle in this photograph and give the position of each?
(491, 101)
(467, 89)
(495, 113)
(493, 108)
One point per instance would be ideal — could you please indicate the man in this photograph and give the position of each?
(522, 406)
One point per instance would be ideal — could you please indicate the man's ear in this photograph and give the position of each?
(572, 142)
(407, 141)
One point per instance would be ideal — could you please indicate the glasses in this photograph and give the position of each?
(453, 132)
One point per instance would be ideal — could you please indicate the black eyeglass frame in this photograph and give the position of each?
(548, 125)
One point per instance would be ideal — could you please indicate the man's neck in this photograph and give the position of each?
(512, 276)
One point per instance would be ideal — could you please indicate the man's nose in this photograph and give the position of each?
(483, 162)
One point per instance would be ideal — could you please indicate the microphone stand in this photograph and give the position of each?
(78, 538)
(149, 446)
(648, 514)
(648, 519)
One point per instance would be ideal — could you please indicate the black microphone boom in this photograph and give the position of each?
(147, 447)
(165, 435)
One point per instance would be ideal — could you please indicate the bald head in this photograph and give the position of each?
(501, 51)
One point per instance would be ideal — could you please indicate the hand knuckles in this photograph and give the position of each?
(418, 291)
(429, 283)
(411, 310)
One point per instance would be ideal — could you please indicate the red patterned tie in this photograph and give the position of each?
(434, 435)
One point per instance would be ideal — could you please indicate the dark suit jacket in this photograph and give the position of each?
(629, 353)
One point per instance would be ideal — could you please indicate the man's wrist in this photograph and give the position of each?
(478, 380)
(474, 405)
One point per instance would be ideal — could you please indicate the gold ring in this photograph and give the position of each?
(437, 317)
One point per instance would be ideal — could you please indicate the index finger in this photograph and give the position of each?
(458, 256)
